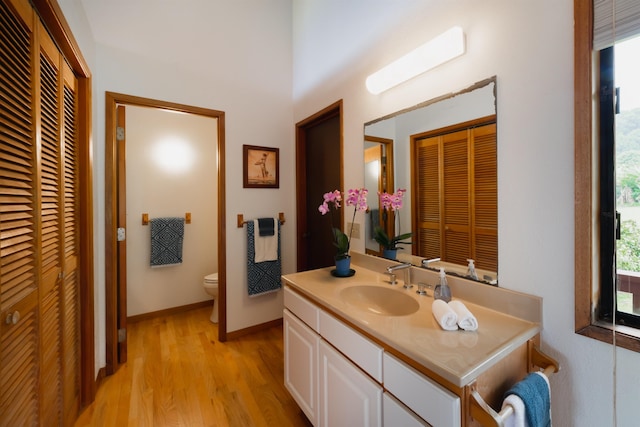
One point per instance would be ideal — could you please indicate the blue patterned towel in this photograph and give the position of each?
(262, 277)
(167, 235)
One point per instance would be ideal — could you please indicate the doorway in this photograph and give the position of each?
(319, 169)
(115, 190)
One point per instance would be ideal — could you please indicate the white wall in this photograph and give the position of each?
(170, 168)
(247, 73)
(229, 56)
(529, 47)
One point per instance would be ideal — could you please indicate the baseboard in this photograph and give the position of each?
(102, 374)
(252, 329)
(169, 311)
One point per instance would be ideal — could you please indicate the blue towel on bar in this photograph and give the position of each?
(534, 392)
(266, 226)
(262, 277)
(167, 235)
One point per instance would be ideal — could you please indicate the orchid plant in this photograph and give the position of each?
(354, 197)
(391, 202)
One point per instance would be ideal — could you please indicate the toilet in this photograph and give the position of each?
(211, 287)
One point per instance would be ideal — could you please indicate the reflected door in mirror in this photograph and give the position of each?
(455, 198)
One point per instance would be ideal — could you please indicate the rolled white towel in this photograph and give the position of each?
(466, 320)
(446, 317)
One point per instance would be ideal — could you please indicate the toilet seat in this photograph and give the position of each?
(211, 278)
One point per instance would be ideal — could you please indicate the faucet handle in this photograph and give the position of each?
(422, 288)
(392, 278)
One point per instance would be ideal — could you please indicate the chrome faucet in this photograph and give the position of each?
(426, 262)
(406, 266)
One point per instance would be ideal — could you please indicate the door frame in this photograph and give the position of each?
(301, 174)
(113, 286)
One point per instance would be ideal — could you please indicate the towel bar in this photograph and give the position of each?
(145, 218)
(485, 414)
(242, 222)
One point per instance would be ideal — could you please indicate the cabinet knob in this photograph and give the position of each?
(13, 318)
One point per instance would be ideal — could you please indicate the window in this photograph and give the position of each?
(620, 183)
(600, 307)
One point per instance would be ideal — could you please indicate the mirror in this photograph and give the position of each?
(394, 155)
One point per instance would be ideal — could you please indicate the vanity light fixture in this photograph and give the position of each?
(439, 50)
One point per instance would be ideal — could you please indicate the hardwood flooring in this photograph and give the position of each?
(179, 374)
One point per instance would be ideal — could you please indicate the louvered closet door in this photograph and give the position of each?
(455, 191)
(457, 196)
(485, 193)
(19, 312)
(428, 197)
(50, 230)
(39, 278)
(71, 283)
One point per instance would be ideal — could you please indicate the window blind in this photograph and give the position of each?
(606, 29)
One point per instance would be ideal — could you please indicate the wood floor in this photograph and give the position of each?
(179, 374)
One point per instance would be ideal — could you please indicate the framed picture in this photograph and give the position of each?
(261, 167)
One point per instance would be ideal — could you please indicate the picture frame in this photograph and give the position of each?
(260, 166)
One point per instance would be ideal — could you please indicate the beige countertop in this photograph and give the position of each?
(457, 356)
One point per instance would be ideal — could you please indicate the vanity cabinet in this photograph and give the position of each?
(336, 375)
(397, 414)
(345, 362)
(348, 397)
(329, 388)
(426, 398)
(301, 346)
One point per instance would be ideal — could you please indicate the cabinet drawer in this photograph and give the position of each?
(438, 406)
(396, 414)
(303, 308)
(363, 352)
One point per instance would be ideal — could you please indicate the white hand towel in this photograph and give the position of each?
(266, 247)
(446, 317)
(466, 320)
(518, 418)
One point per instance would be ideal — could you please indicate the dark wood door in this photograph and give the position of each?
(319, 170)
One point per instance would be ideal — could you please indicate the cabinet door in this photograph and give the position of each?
(301, 364)
(396, 414)
(348, 397)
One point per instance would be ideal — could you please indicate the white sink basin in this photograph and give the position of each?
(378, 300)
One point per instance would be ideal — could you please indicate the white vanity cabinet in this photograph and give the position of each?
(397, 414)
(346, 364)
(330, 388)
(301, 346)
(348, 397)
(423, 396)
(336, 375)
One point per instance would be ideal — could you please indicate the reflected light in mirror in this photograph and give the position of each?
(174, 155)
(437, 51)
(373, 170)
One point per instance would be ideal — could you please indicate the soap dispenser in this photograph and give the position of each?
(442, 291)
(471, 270)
